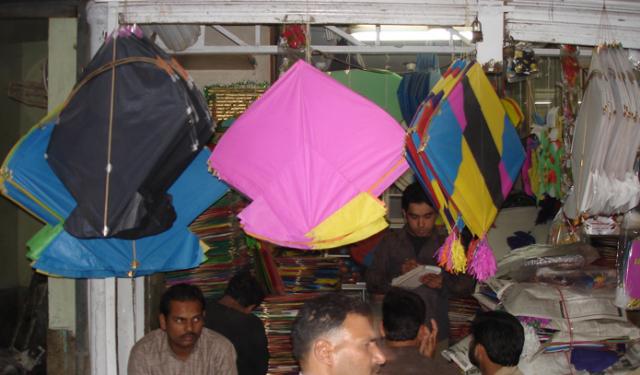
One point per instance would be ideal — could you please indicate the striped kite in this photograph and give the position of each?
(466, 154)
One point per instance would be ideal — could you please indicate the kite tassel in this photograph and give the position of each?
(444, 252)
(471, 251)
(458, 256)
(483, 265)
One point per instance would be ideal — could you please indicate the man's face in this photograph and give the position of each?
(356, 352)
(183, 324)
(421, 218)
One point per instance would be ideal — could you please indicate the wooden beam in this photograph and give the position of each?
(38, 9)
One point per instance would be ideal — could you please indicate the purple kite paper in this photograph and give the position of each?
(632, 274)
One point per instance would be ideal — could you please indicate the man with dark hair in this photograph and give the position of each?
(182, 345)
(409, 344)
(231, 316)
(498, 338)
(401, 250)
(334, 335)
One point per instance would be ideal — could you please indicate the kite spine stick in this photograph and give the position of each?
(105, 216)
(108, 66)
(25, 192)
(381, 179)
(24, 207)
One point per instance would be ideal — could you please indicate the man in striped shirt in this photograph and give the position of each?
(182, 345)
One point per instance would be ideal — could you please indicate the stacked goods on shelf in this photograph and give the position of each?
(227, 102)
(277, 314)
(225, 247)
(305, 271)
(607, 248)
(296, 276)
(564, 295)
(461, 312)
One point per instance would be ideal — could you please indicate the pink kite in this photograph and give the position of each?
(313, 156)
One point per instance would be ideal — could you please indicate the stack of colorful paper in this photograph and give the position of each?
(302, 272)
(225, 244)
(461, 312)
(277, 314)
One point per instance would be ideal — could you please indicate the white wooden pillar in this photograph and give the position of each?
(491, 16)
(116, 305)
(61, 78)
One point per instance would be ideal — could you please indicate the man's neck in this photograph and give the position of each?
(413, 235)
(231, 303)
(401, 344)
(314, 369)
(181, 353)
(490, 368)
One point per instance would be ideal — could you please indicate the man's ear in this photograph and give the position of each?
(422, 332)
(163, 322)
(323, 352)
(480, 353)
(381, 330)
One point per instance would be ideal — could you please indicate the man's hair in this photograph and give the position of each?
(414, 194)
(245, 289)
(320, 316)
(501, 334)
(180, 292)
(403, 313)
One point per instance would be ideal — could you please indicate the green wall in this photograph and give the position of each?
(24, 49)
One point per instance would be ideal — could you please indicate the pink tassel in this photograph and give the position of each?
(471, 251)
(483, 265)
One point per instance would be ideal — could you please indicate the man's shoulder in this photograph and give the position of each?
(221, 318)
(403, 360)
(152, 341)
(212, 340)
(509, 371)
(408, 360)
(216, 309)
(393, 235)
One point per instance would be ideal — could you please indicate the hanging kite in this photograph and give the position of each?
(379, 86)
(606, 139)
(313, 156)
(466, 153)
(415, 86)
(128, 129)
(28, 180)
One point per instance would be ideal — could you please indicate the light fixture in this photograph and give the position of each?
(175, 37)
(476, 31)
(391, 33)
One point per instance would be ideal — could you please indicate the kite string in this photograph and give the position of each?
(307, 36)
(105, 229)
(134, 261)
(605, 33)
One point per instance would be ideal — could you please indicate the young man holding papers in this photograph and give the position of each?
(402, 250)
